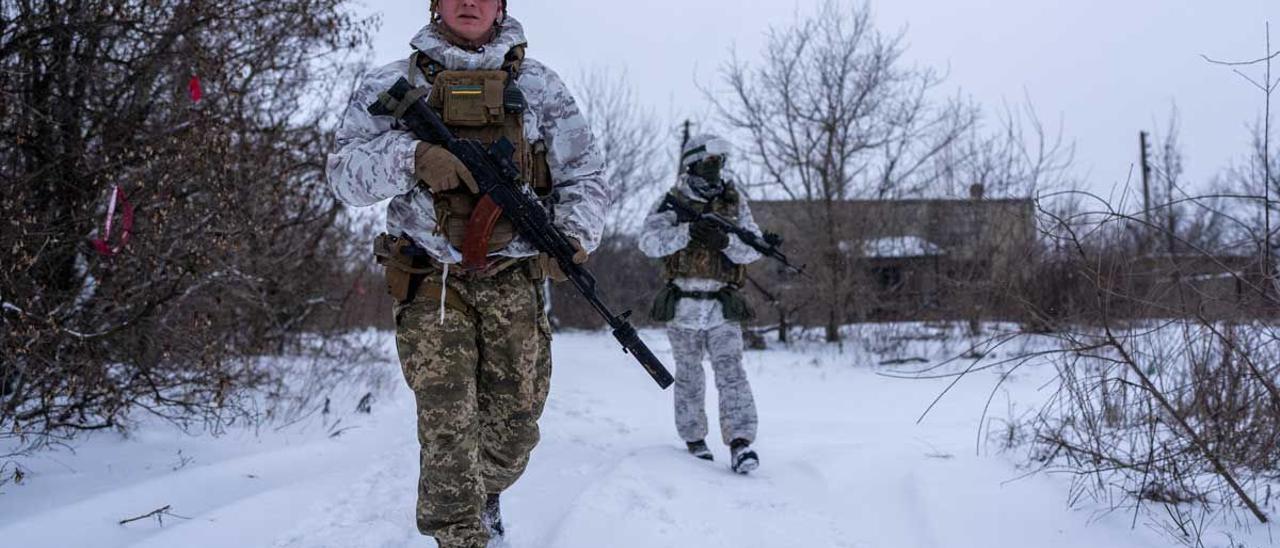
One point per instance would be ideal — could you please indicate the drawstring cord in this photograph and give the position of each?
(444, 290)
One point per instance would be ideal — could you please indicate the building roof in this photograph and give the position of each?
(894, 247)
(961, 229)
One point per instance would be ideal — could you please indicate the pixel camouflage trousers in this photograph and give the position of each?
(480, 379)
(723, 344)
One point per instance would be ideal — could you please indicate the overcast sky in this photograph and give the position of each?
(1106, 68)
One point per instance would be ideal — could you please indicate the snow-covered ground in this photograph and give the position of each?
(843, 464)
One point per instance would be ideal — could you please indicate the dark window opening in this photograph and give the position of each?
(888, 278)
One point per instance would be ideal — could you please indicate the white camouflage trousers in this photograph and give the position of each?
(723, 344)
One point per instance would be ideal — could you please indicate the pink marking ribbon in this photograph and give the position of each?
(103, 245)
(194, 89)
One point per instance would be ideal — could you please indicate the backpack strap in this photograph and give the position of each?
(422, 66)
(422, 69)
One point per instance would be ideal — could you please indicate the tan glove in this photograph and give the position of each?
(440, 170)
(552, 267)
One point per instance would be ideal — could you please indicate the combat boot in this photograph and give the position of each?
(492, 520)
(744, 458)
(700, 450)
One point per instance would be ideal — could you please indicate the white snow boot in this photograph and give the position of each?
(744, 458)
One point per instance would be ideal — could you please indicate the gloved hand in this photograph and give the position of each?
(440, 170)
(707, 234)
(552, 267)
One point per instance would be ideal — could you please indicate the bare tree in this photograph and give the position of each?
(1177, 212)
(195, 113)
(831, 112)
(1015, 156)
(1263, 160)
(632, 139)
(1247, 184)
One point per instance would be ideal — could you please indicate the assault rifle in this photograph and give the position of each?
(501, 185)
(769, 245)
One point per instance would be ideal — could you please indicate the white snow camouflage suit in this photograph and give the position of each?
(375, 162)
(480, 371)
(699, 328)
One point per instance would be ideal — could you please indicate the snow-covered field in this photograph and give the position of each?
(843, 464)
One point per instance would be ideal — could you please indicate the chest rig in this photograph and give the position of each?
(483, 105)
(697, 260)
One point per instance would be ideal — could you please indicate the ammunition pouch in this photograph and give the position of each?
(664, 304)
(404, 264)
(469, 98)
(411, 271)
(732, 305)
(429, 292)
(699, 262)
(401, 284)
(485, 106)
(545, 268)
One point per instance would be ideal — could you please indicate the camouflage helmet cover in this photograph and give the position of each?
(702, 147)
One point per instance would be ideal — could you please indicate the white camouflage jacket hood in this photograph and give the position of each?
(375, 160)
(662, 235)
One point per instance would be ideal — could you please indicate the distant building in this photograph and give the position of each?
(895, 260)
(1187, 285)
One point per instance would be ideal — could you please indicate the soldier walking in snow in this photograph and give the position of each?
(705, 267)
(474, 343)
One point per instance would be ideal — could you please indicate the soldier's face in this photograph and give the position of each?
(470, 19)
(709, 168)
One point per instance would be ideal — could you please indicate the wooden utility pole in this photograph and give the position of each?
(1170, 214)
(1146, 181)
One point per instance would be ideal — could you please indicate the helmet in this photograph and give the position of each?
(702, 147)
(702, 159)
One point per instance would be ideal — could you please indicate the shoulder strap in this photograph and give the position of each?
(730, 195)
(515, 60)
(422, 66)
(422, 69)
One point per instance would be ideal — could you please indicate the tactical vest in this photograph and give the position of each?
(484, 105)
(697, 260)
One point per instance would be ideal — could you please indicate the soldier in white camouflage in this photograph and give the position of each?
(704, 269)
(474, 342)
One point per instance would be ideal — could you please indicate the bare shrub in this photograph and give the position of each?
(1167, 403)
(831, 113)
(1172, 413)
(209, 118)
(1167, 398)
